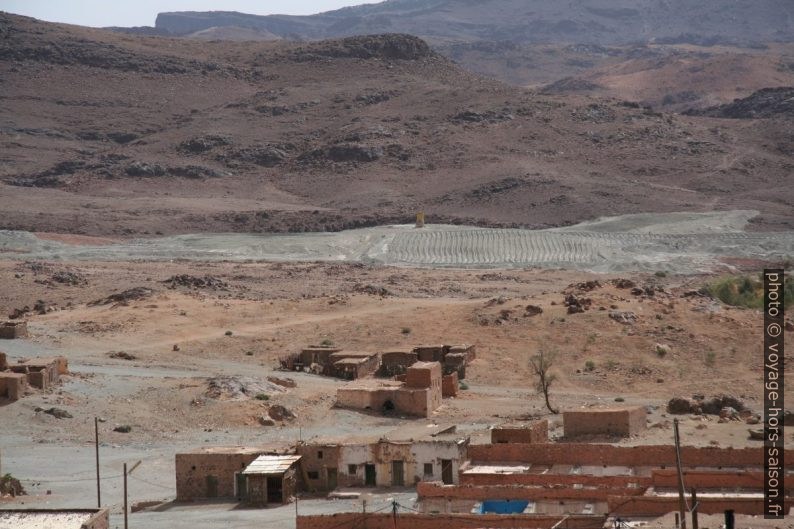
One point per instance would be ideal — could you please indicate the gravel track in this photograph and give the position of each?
(678, 243)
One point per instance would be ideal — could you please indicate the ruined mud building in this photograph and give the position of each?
(42, 373)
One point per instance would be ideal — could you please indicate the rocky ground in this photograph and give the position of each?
(179, 136)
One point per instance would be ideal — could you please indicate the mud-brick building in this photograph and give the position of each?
(609, 421)
(10, 330)
(419, 395)
(528, 433)
(12, 385)
(216, 472)
(396, 362)
(351, 365)
(399, 459)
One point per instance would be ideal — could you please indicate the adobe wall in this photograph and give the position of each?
(704, 480)
(620, 421)
(549, 480)
(192, 471)
(10, 330)
(429, 489)
(313, 461)
(3, 361)
(630, 456)
(415, 401)
(12, 385)
(535, 432)
(449, 385)
(469, 350)
(423, 374)
(658, 506)
(396, 362)
(431, 353)
(443, 521)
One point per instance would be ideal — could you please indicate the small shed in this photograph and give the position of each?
(271, 479)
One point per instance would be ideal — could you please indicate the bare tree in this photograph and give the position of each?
(541, 364)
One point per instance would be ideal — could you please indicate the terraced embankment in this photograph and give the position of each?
(678, 243)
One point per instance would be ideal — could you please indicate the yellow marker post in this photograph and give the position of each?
(420, 219)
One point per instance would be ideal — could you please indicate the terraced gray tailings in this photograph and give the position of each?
(677, 242)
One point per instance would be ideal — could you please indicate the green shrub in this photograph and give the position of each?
(660, 273)
(262, 396)
(327, 343)
(463, 386)
(711, 358)
(620, 399)
(589, 365)
(745, 291)
(406, 330)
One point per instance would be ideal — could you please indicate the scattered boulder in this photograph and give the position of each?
(353, 152)
(122, 355)
(729, 413)
(265, 421)
(532, 310)
(624, 317)
(144, 169)
(372, 290)
(278, 412)
(68, 278)
(576, 304)
(714, 405)
(662, 349)
(123, 428)
(756, 434)
(623, 283)
(132, 294)
(185, 280)
(202, 144)
(681, 406)
(58, 413)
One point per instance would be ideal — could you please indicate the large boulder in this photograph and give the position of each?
(681, 406)
(714, 405)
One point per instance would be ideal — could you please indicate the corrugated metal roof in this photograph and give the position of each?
(270, 464)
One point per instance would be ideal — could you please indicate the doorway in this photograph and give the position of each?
(397, 473)
(241, 486)
(212, 487)
(332, 481)
(446, 471)
(274, 489)
(370, 478)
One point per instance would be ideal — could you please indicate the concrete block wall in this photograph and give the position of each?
(429, 489)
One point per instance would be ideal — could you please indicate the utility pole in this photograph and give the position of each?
(394, 512)
(96, 444)
(695, 524)
(364, 513)
(125, 496)
(681, 500)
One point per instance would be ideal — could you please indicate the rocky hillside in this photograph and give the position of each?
(518, 21)
(104, 133)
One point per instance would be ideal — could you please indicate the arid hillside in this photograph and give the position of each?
(585, 21)
(104, 133)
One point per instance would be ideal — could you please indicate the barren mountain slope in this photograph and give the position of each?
(103, 133)
(584, 21)
(684, 77)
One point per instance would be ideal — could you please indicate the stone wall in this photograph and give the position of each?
(607, 421)
(12, 385)
(10, 330)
